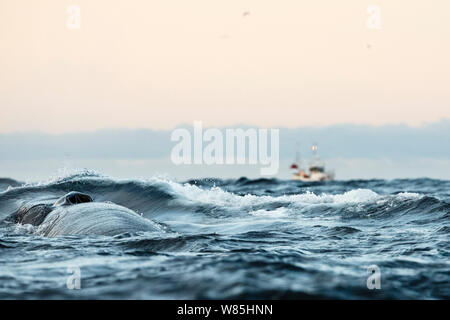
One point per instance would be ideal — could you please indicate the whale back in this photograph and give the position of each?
(33, 214)
(94, 219)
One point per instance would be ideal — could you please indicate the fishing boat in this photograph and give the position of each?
(316, 169)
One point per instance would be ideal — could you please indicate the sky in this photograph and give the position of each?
(371, 87)
(161, 63)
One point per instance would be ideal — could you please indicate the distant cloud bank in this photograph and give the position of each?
(337, 141)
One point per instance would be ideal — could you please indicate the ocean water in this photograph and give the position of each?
(226, 239)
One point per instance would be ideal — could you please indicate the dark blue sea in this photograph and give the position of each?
(236, 239)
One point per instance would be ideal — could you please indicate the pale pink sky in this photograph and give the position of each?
(159, 63)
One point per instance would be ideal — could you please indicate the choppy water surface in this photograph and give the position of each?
(238, 239)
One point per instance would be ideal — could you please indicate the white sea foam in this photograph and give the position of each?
(24, 229)
(277, 213)
(220, 197)
(63, 174)
(408, 196)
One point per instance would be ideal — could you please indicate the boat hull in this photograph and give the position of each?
(314, 177)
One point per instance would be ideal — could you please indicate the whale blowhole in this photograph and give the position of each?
(72, 198)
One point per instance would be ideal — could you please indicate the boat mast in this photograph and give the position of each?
(314, 150)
